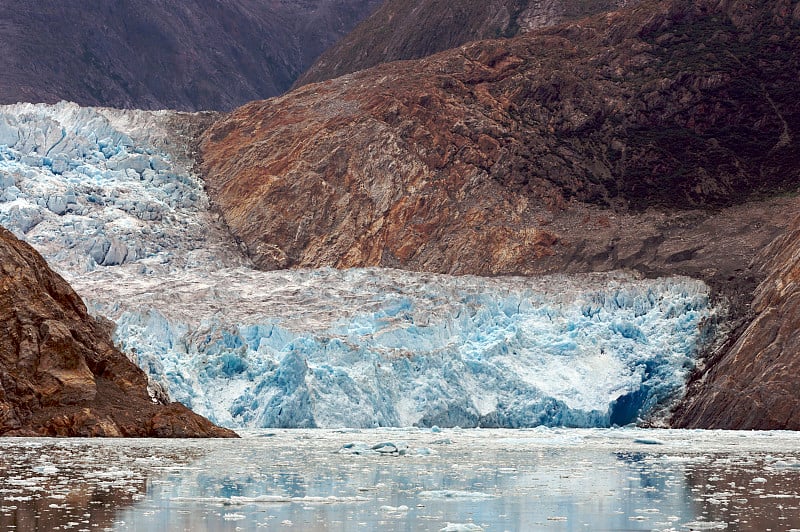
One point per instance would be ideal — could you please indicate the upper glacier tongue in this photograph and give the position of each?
(108, 198)
(103, 187)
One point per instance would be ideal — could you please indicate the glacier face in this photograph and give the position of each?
(108, 198)
(376, 347)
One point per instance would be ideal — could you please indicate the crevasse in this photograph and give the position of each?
(373, 347)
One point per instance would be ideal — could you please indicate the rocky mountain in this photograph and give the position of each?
(405, 29)
(471, 160)
(659, 138)
(147, 54)
(60, 374)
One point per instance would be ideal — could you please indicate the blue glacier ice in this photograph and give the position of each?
(93, 187)
(109, 198)
(376, 347)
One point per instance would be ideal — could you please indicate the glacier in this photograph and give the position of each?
(110, 199)
(90, 187)
(375, 347)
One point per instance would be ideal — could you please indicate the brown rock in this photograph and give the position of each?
(413, 29)
(463, 162)
(60, 374)
(753, 383)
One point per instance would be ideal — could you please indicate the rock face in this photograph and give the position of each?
(406, 29)
(456, 163)
(60, 374)
(146, 54)
(753, 384)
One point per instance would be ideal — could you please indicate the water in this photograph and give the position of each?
(314, 480)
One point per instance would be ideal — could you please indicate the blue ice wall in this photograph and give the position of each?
(439, 354)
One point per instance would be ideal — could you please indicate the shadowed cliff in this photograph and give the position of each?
(412, 29)
(190, 55)
(752, 384)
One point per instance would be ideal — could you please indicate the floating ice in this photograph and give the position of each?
(394, 509)
(461, 527)
(706, 525)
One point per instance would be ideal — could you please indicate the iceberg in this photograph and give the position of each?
(109, 198)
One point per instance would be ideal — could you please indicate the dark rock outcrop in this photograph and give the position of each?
(189, 55)
(754, 383)
(60, 374)
(413, 29)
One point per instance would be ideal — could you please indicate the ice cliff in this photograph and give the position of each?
(372, 347)
(109, 200)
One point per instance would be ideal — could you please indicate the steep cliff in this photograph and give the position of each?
(60, 374)
(753, 383)
(145, 54)
(406, 29)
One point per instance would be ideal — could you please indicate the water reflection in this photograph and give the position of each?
(755, 493)
(468, 480)
(73, 484)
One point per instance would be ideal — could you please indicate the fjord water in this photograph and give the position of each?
(408, 480)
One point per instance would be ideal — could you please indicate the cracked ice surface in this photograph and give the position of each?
(107, 197)
(93, 187)
(376, 347)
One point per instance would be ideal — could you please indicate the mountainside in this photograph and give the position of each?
(471, 161)
(146, 54)
(659, 138)
(753, 385)
(412, 29)
(60, 374)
